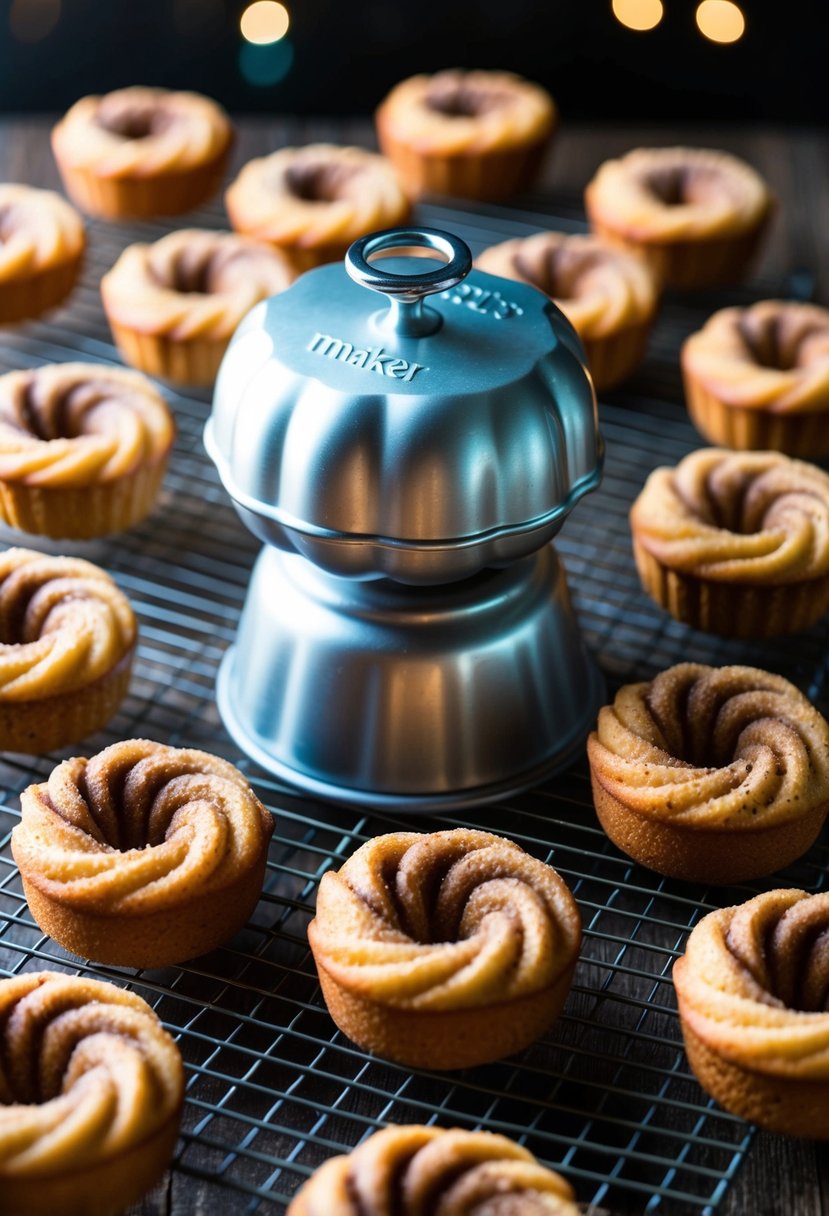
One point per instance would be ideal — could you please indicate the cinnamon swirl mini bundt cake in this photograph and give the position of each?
(610, 296)
(758, 377)
(312, 202)
(752, 993)
(83, 449)
(173, 305)
(67, 642)
(142, 151)
(445, 949)
(415, 1170)
(735, 543)
(91, 1090)
(697, 214)
(478, 134)
(142, 855)
(711, 774)
(42, 243)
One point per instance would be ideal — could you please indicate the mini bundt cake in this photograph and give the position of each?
(414, 1170)
(711, 774)
(758, 378)
(698, 215)
(610, 296)
(83, 449)
(735, 543)
(472, 134)
(42, 243)
(752, 993)
(91, 1091)
(173, 306)
(67, 642)
(314, 201)
(142, 151)
(446, 949)
(143, 855)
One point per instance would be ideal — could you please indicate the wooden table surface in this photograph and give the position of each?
(779, 1175)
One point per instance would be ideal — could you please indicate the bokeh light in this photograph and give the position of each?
(264, 65)
(31, 20)
(638, 14)
(264, 22)
(720, 20)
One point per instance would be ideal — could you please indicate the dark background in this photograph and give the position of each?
(342, 57)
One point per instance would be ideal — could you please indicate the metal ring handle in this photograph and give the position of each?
(407, 315)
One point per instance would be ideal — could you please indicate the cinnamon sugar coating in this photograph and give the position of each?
(313, 201)
(752, 990)
(91, 1089)
(42, 243)
(697, 214)
(142, 855)
(474, 134)
(413, 1170)
(609, 295)
(142, 151)
(444, 949)
(758, 377)
(83, 448)
(712, 774)
(736, 543)
(173, 305)
(67, 640)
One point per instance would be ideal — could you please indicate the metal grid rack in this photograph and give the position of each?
(273, 1089)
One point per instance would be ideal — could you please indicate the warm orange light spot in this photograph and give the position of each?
(264, 21)
(638, 14)
(720, 20)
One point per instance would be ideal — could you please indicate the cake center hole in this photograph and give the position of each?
(191, 272)
(193, 279)
(131, 122)
(769, 345)
(670, 186)
(316, 183)
(562, 273)
(459, 101)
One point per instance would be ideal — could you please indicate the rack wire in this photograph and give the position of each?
(273, 1089)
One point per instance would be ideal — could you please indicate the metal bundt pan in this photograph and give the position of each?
(415, 442)
(418, 698)
(407, 639)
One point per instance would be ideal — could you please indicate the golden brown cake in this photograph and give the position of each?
(83, 449)
(698, 215)
(758, 377)
(609, 295)
(67, 641)
(478, 134)
(142, 151)
(735, 543)
(711, 774)
(413, 1170)
(312, 202)
(143, 855)
(42, 243)
(173, 305)
(444, 949)
(751, 988)
(91, 1090)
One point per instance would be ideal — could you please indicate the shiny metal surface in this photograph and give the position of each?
(405, 292)
(379, 694)
(422, 458)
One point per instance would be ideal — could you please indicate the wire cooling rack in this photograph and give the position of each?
(272, 1088)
